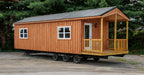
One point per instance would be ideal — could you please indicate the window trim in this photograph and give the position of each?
(23, 33)
(63, 32)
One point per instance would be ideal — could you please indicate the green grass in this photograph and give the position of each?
(134, 63)
(142, 69)
(109, 57)
(122, 59)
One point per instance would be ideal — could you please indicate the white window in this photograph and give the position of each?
(23, 33)
(64, 32)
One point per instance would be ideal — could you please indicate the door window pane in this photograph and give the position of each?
(86, 31)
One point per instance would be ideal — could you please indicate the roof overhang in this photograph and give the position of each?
(110, 16)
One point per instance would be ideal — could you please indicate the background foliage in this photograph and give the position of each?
(11, 12)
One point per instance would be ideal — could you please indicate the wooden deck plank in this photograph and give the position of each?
(105, 52)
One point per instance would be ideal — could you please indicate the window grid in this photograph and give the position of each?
(64, 27)
(23, 33)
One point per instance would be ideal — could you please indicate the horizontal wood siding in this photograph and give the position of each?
(43, 37)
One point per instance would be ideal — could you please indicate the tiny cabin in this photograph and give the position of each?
(77, 35)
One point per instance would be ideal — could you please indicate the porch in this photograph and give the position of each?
(94, 47)
(104, 46)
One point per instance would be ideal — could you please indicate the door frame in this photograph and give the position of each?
(90, 36)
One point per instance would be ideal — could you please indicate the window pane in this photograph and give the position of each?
(67, 35)
(61, 36)
(25, 30)
(21, 35)
(25, 35)
(60, 29)
(67, 29)
(21, 30)
(87, 31)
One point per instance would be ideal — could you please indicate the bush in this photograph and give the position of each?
(137, 52)
(136, 44)
(9, 46)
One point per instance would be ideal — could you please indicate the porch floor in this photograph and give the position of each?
(105, 52)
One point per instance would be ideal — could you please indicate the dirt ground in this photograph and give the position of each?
(18, 64)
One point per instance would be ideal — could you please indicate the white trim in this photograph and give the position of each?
(63, 32)
(90, 32)
(13, 27)
(23, 33)
(90, 36)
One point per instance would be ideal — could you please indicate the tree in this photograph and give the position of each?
(92, 3)
(10, 12)
(11, 0)
(5, 20)
(47, 7)
(103, 3)
(114, 2)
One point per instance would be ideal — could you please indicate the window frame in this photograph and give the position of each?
(23, 33)
(63, 32)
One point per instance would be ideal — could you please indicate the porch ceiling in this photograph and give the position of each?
(110, 16)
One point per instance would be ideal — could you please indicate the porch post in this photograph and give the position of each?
(101, 34)
(115, 32)
(127, 34)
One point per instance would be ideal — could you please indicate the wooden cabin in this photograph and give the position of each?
(79, 33)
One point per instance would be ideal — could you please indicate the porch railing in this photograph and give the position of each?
(93, 45)
(121, 44)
